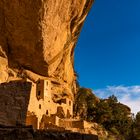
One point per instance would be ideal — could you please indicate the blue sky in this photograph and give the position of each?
(108, 50)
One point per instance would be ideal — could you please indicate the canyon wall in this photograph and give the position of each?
(38, 37)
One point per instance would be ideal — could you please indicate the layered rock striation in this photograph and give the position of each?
(38, 37)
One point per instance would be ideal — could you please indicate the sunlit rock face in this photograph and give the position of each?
(37, 38)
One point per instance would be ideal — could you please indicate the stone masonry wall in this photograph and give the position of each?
(68, 123)
(14, 99)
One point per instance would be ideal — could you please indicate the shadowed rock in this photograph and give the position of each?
(37, 38)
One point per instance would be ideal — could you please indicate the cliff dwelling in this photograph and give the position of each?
(42, 102)
(37, 77)
(26, 103)
(33, 101)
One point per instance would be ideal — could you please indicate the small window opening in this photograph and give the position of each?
(39, 93)
(47, 112)
(39, 106)
(46, 83)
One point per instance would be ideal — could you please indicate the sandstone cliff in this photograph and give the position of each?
(38, 37)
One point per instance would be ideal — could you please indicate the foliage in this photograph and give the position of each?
(103, 112)
(136, 127)
(114, 131)
(85, 102)
(112, 115)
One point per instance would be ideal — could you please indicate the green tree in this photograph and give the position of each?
(85, 102)
(122, 119)
(114, 116)
(136, 128)
(103, 113)
(112, 99)
(111, 114)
